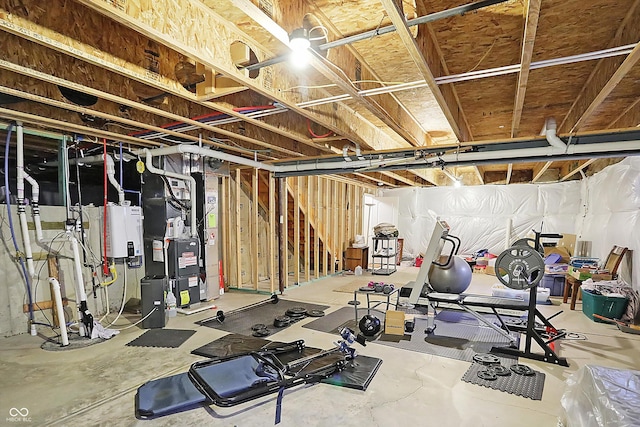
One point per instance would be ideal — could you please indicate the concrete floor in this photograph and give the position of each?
(96, 385)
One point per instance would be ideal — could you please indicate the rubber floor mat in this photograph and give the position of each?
(169, 338)
(241, 321)
(451, 339)
(530, 386)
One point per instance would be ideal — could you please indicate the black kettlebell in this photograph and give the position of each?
(387, 289)
(378, 287)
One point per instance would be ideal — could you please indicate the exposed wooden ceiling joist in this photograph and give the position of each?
(539, 170)
(509, 171)
(418, 57)
(574, 171)
(532, 10)
(180, 26)
(66, 45)
(607, 73)
(401, 124)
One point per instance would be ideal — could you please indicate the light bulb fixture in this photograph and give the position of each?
(299, 40)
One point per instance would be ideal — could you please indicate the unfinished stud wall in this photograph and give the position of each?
(323, 216)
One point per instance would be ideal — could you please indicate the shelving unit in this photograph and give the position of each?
(383, 260)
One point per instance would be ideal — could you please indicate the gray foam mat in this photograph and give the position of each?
(170, 338)
(526, 386)
(455, 337)
(241, 321)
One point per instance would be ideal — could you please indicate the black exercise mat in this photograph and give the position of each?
(521, 385)
(241, 322)
(357, 374)
(170, 338)
(455, 337)
(233, 344)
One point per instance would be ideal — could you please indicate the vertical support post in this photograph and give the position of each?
(325, 216)
(316, 228)
(296, 230)
(282, 234)
(255, 205)
(226, 229)
(342, 208)
(238, 231)
(307, 232)
(272, 232)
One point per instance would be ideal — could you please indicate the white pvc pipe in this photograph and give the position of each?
(81, 295)
(35, 207)
(550, 133)
(57, 298)
(111, 173)
(22, 212)
(192, 187)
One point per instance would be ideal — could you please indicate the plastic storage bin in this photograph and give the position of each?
(611, 307)
(553, 282)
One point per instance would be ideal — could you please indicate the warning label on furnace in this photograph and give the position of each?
(187, 260)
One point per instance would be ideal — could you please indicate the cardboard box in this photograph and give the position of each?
(586, 273)
(491, 270)
(394, 322)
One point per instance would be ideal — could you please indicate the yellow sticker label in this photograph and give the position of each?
(184, 298)
(140, 166)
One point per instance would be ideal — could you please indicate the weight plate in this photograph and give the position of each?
(220, 315)
(274, 299)
(281, 321)
(501, 371)
(354, 302)
(258, 326)
(296, 312)
(365, 289)
(522, 370)
(520, 267)
(527, 241)
(261, 333)
(315, 313)
(486, 359)
(487, 375)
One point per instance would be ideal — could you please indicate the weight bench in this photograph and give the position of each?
(468, 302)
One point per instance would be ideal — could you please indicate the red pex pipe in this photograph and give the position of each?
(105, 264)
(313, 134)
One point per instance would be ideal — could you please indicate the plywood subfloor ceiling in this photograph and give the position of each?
(491, 74)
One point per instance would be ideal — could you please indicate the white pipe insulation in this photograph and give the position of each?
(111, 173)
(190, 179)
(57, 298)
(22, 212)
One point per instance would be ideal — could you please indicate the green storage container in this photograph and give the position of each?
(611, 307)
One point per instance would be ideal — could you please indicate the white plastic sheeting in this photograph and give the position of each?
(604, 209)
(597, 396)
